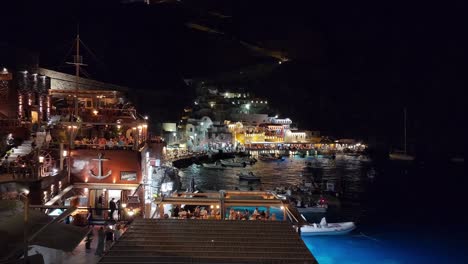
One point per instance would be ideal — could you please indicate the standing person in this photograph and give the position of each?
(48, 138)
(117, 232)
(90, 216)
(101, 242)
(119, 209)
(99, 205)
(112, 207)
(109, 238)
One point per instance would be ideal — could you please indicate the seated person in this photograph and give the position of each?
(203, 212)
(183, 214)
(273, 217)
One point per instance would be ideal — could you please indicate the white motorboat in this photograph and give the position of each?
(248, 176)
(216, 166)
(325, 228)
(233, 163)
(312, 209)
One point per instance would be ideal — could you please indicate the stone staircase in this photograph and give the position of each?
(209, 241)
(23, 150)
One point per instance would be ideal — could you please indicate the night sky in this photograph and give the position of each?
(353, 67)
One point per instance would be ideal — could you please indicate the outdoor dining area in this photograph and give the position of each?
(222, 205)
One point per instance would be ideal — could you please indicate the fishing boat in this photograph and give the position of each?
(217, 166)
(325, 228)
(398, 154)
(233, 163)
(248, 176)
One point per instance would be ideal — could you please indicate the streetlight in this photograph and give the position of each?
(24, 195)
(40, 169)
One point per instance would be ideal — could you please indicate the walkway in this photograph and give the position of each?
(81, 255)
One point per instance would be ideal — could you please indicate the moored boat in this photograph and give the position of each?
(233, 163)
(325, 228)
(457, 159)
(269, 157)
(217, 165)
(312, 209)
(248, 176)
(400, 156)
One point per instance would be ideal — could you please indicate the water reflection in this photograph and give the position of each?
(348, 172)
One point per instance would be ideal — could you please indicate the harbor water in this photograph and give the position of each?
(404, 212)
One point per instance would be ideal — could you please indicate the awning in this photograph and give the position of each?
(57, 235)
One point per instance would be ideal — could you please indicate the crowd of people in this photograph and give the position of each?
(106, 237)
(120, 142)
(255, 215)
(202, 212)
(199, 212)
(20, 167)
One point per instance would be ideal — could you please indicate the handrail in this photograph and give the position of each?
(138, 188)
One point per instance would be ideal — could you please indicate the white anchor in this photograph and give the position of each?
(100, 168)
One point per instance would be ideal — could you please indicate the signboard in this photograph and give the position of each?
(128, 176)
(133, 199)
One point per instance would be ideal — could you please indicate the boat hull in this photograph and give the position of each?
(313, 209)
(244, 177)
(234, 164)
(212, 166)
(333, 229)
(401, 156)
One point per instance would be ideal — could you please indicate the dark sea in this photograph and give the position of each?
(405, 212)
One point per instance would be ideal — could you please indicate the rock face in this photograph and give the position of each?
(165, 175)
(9, 208)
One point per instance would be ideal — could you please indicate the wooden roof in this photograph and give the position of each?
(209, 241)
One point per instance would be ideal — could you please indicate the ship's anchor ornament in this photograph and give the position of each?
(99, 176)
